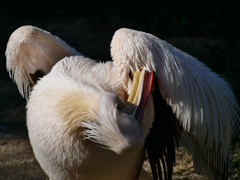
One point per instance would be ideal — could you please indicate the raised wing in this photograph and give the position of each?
(31, 52)
(201, 100)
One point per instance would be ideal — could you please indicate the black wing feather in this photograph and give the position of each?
(162, 139)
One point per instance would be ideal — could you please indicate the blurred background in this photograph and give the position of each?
(208, 30)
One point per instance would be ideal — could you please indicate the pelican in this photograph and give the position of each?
(90, 120)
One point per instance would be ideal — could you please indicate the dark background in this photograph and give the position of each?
(208, 30)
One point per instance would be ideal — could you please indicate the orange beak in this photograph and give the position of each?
(141, 88)
(146, 89)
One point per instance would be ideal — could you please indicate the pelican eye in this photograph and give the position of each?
(130, 75)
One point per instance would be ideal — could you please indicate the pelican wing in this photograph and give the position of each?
(201, 100)
(31, 52)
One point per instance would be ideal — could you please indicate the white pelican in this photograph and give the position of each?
(89, 120)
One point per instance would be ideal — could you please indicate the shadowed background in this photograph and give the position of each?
(207, 30)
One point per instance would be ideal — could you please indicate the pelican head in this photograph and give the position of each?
(117, 125)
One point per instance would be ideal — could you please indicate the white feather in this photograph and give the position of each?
(200, 99)
(30, 49)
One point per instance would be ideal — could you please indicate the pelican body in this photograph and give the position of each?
(88, 120)
(56, 134)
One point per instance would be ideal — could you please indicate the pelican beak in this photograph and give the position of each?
(141, 88)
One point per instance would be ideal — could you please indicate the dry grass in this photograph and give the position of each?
(17, 161)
